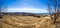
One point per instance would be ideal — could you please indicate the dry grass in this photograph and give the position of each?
(15, 21)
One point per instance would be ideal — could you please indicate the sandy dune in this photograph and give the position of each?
(16, 21)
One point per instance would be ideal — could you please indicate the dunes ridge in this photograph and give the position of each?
(14, 21)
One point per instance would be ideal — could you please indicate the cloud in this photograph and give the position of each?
(31, 6)
(29, 10)
(26, 3)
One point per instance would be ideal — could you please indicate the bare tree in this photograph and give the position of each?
(2, 6)
(54, 10)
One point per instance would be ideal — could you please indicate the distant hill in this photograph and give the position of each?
(23, 13)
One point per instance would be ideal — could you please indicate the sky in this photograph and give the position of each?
(30, 6)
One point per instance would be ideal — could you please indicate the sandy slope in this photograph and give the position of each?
(15, 21)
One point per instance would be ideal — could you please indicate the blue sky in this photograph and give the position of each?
(31, 6)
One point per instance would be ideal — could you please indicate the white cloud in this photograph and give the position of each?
(26, 3)
(30, 10)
